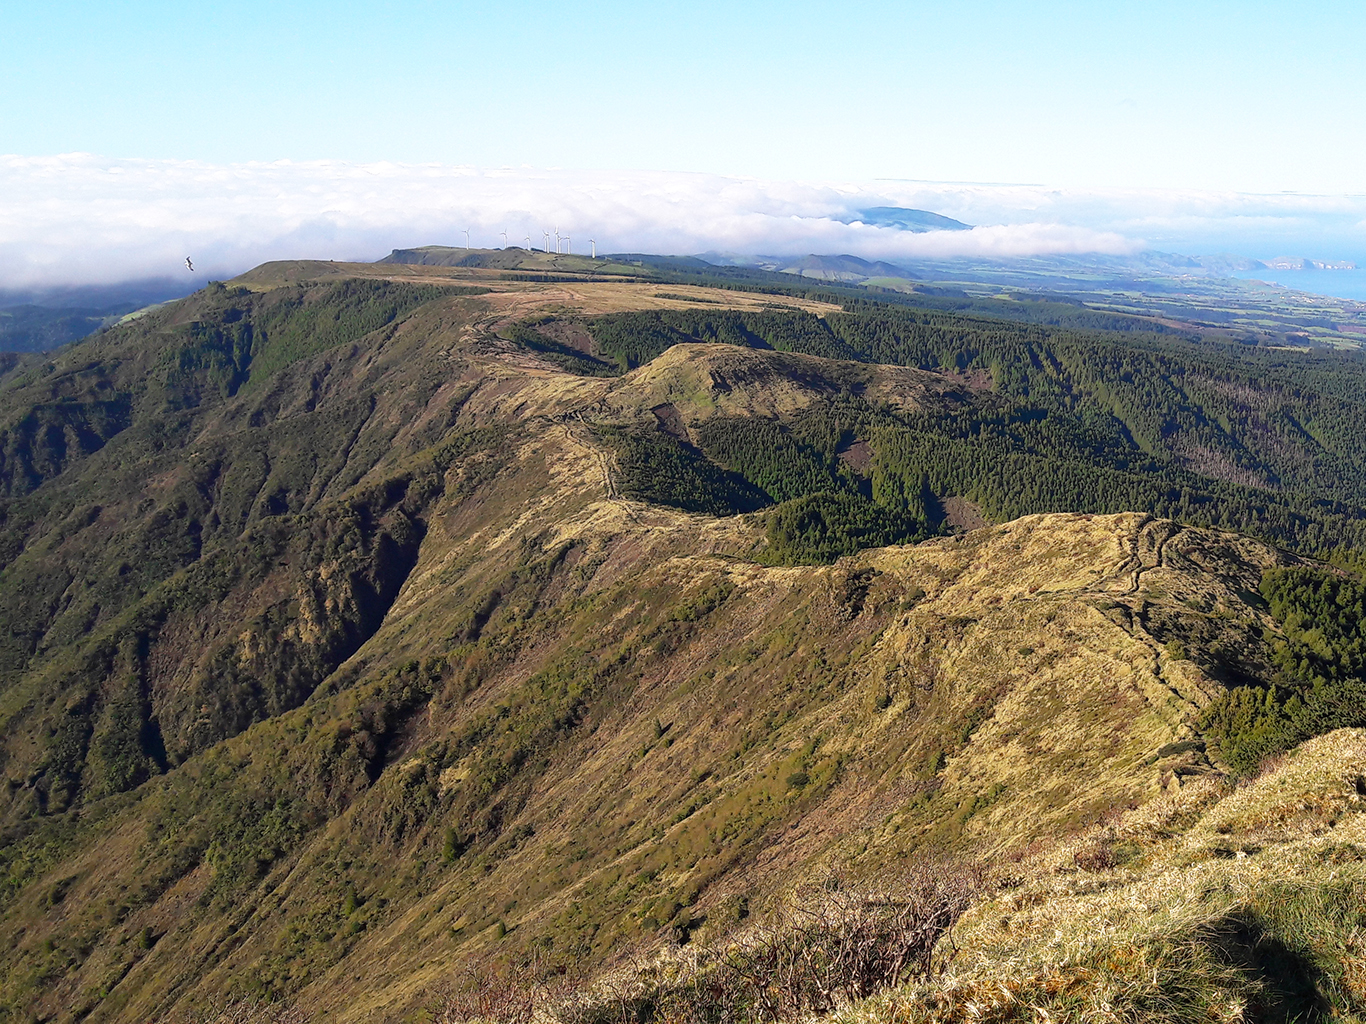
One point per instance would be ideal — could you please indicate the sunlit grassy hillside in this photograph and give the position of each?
(368, 624)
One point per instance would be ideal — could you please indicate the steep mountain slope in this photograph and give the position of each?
(340, 654)
(1209, 903)
(637, 726)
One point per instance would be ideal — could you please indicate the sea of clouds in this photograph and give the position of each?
(83, 219)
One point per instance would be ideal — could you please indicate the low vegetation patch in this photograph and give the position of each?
(828, 946)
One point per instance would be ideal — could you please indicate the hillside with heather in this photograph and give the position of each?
(444, 640)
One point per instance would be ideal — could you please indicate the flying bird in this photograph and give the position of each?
(189, 264)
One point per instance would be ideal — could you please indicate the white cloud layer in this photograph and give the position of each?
(81, 219)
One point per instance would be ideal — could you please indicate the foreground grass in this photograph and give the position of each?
(1217, 902)
(1230, 904)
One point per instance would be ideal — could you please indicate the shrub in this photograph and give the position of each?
(510, 991)
(830, 945)
(1098, 856)
(844, 944)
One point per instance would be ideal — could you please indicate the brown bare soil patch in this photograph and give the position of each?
(962, 514)
(569, 334)
(857, 455)
(974, 380)
(671, 422)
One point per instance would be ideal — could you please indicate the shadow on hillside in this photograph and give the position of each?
(1290, 983)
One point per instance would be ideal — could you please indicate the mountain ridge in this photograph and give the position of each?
(361, 627)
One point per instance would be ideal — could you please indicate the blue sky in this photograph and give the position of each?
(1248, 97)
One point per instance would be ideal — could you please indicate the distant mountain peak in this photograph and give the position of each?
(905, 219)
(844, 268)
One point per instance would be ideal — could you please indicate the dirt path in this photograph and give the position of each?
(603, 460)
(1164, 531)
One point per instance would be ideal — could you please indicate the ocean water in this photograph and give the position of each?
(1344, 284)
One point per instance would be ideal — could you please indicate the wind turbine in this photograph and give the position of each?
(557, 241)
(594, 243)
(467, 238)
(547, 239)
(568, 248)
(505, 238)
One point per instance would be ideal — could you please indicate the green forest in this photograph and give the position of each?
(1261, 441)
(1319, 681)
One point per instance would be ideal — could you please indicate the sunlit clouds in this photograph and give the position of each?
(84, 219)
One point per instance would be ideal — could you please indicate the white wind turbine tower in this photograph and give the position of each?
(594, 243)
(505, 237)
(557, 241)
(467, 238)
(547, 239)
(528, 243)
(568, 249)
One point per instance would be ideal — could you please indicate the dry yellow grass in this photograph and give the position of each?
(1261, 928)
(1213, 868)
(516, 299)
